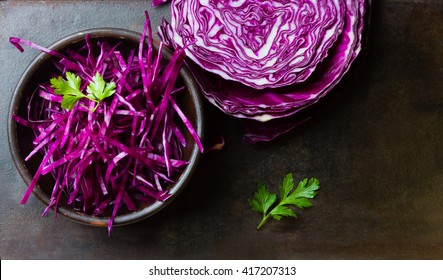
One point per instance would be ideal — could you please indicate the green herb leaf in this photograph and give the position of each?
(280, 211)
(263, 201)
(69, 101)
(99, 89)
(300, 202)
(73, 81)
(69, 88)
(305, 189)
(287, 186)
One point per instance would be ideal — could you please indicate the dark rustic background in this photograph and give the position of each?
(376, 147)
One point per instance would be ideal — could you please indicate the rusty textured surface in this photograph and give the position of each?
(376, 147)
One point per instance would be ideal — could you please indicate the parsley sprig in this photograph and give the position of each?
(264, 200)
(97, 89)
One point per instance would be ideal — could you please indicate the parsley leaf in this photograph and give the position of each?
(287, 186)
(69, 101)
(305, 189)
(70, 89)
(98, 89)
(280, 211)
(263, 201)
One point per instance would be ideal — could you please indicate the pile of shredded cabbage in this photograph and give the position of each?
(127, 151)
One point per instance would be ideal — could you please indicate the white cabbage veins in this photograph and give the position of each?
(258, 43)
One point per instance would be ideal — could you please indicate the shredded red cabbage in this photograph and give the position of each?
(129, 148)
(158, 2)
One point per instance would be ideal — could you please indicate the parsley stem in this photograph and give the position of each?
(265, 218)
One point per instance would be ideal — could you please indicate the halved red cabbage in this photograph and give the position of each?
(243, 78)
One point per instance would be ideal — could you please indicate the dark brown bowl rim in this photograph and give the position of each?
(76, 216)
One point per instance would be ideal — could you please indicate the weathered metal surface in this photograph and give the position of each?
(377, 149)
